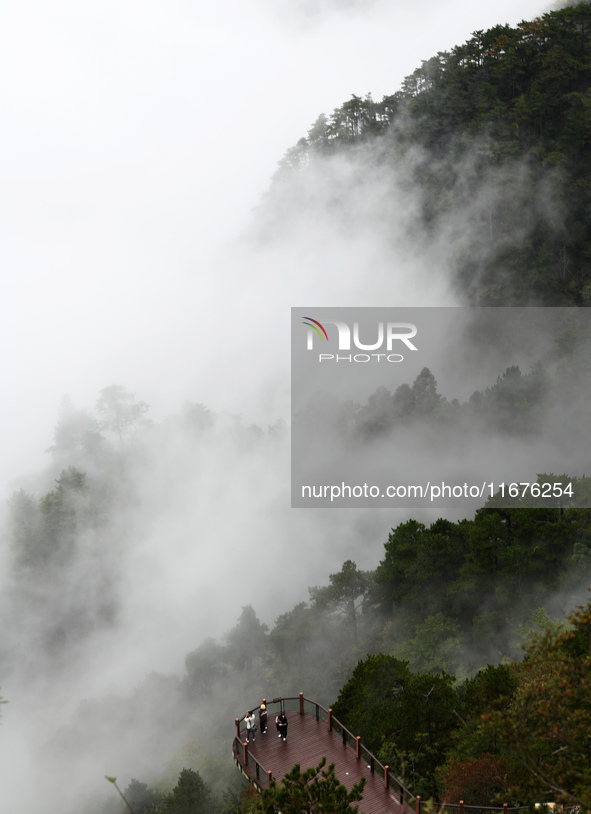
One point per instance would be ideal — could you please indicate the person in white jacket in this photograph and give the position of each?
(250, 726)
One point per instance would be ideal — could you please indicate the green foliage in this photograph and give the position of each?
(385, 411)
(538, 622)
(309, 647)
(344, 595)
(417, 563)
(25, 523)
(476, 781)
(509, 547)
(189, 796)
(247, 641)
(435, 645)
(424, 393)
(205, 666)
(63, 510)
(366, 703)
(491, 687)
(141, 798)
(291, 635)
(412, 712)
(490, 130)
(488, 686)
(546, 726)
(120, 412)
(513, 404)
(76, 431)
(44, 532)
(313, 791)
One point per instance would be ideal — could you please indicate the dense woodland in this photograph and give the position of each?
(522, 406)
(422, 655)
(495, 138)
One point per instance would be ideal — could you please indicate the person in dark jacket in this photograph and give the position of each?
(281, 722)
(263, 717)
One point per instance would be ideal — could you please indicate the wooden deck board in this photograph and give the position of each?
(308, 741)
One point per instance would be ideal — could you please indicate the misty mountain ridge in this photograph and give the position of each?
(142, 540)
(487, 146)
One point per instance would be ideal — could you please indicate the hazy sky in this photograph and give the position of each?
(136, 139)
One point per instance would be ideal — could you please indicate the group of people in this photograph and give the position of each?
(251, 725)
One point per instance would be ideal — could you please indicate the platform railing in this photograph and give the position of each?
(252, 767)
(461, 807)
(305, 706)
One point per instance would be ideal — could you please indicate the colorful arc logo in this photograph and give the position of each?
(316, 323)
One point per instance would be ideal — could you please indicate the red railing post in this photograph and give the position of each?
(358, 746)
(301, 703)
(461, 807)
(386, 767)
(238, 728)
(504, 808)
(418, 806)
(269, 777)
(245, 753)
(330, 719)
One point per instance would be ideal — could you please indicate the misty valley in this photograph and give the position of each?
(444, 614)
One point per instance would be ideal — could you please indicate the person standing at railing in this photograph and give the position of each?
(263, 717)
(250, 726)
(281, 721)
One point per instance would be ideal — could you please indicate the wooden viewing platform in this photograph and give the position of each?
(313, 733)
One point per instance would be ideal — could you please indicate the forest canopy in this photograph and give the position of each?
(494, 135)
